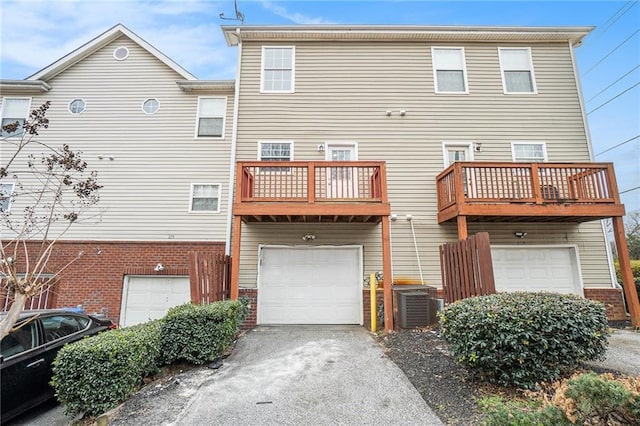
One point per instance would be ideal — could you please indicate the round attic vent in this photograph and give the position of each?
(121, 53)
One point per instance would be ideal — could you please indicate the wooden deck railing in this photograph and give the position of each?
(311, 181)
(535, 183)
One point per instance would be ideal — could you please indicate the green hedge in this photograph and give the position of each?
(95, 374)
(200, 333)
(524, 338)
(635, 270)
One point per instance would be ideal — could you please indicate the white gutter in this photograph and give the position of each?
(612, 271)
(234, 143)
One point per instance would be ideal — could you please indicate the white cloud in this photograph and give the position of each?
(44, 31)
(297, 18)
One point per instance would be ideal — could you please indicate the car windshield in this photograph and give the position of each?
(20, 340)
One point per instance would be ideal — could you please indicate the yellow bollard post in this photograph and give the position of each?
(373, 285)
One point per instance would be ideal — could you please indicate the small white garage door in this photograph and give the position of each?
(553, 269)
(310, 285)
(147, 298)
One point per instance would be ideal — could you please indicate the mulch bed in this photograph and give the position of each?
(443, 384)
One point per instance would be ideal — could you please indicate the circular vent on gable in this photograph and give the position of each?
(121, 53)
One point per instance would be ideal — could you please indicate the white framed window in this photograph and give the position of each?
(516, 68)
(14, 110)
(77, 106)
(211, 117)
(150, 106)
(275, 151)
(6, 191)
(278, 69)
(449, 70)
(120, 53)
(205, 197)
(529, 152)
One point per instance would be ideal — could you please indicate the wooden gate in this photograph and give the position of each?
(466, 268)
(209, 276)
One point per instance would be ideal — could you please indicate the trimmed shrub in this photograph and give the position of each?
(200, 333)
(97, 373)
(524, 338)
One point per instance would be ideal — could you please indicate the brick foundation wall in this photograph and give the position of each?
(96, 279)
(252, 318)
(612, 299)
(366, 307)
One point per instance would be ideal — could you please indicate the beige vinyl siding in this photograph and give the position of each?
(343, 90)
(156, 157)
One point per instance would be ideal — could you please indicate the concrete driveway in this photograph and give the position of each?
(294, 375)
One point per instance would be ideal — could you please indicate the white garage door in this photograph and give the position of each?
(147, 298)
(553, 269)
(310, 285)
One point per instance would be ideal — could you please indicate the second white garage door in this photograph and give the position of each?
(147, 298)
(310, 285)
(553, 269)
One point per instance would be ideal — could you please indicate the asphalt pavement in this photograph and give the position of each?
(318, 375)
(623, 353)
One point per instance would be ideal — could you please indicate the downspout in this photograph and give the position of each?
(415, 244)
(612, 272)
(234, 143)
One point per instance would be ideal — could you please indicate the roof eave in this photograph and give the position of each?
(26, 86)
(404, 32)
(206, 85)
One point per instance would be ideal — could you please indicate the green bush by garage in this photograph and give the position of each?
(524, 338)
(199, 334)
(96, 374)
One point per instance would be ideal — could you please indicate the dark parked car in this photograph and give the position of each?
(26, 354)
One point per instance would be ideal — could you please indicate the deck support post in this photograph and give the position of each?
(388, 279)
(235, 257)
(628, 284)
(462, 227)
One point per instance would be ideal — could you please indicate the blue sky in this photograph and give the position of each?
(35, 33)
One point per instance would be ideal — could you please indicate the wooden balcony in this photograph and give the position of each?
(528, 192)
(311, 191)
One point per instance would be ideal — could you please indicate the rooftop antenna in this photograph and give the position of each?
(239, 15)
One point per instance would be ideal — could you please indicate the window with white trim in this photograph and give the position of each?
(14, 110)
(77, 106)
(211, 117)
(6, 190)
(278, 71)
(516, 67)
(529, 152)
(449, 70)
(150, 106)
(205, 197)
(275, 151)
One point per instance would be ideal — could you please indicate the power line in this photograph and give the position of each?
(620, 144)
(629, 190)
(629, 72)
(615, 97)
(611, 51)
(633, 3)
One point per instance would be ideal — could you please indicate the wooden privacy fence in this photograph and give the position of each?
(209, 276)
(45, 299)
(466, 267)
